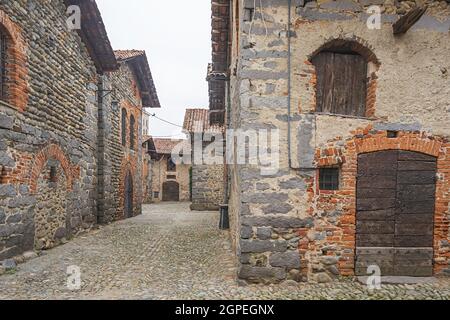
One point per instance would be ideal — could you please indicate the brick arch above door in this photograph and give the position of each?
(52, 151)
(366, 140)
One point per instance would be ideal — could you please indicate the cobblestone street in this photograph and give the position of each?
(170, 253)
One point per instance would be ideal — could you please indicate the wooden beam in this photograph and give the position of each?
(409, 19)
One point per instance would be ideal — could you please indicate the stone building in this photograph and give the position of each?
(59, 121)
(363, 120)
(170, 181)
(128, 91)
(207, 179)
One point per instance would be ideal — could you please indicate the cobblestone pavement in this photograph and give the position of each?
(170, 253)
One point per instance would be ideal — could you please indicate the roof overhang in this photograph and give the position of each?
(138, 62)
(94, 35)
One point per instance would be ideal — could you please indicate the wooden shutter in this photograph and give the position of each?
(132, 137)
(341, 83)
(124, 127)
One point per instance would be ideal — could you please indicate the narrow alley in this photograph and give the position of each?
(170, 252)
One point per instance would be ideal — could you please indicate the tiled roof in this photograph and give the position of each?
(165, 146)
(127, 54)
(197, 121)
(138, 62)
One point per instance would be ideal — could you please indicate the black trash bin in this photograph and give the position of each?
(224, 223)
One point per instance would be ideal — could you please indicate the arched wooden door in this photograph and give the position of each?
(128, 196)
(171, 191)
(395, 213)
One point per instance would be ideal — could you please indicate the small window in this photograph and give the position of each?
(53, 177)
(392, 134)
(3, 175)
(171, 166)
(124, 127)
(156, 194)
(132, 136)
(329, 179)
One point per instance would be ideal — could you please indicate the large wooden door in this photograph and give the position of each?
(171, 191)
(395, 210)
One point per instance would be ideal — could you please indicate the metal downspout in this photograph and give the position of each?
(289, 84)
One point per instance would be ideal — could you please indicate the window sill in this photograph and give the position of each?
(343, 116)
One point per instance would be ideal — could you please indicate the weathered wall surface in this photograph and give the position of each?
(120, 159)
(147, 178)
(288, 229)
(49, 120)
(207, 187)
(160, 175)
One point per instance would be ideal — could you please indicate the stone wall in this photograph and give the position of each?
(285, 228)
(207, 187)
(48, 118)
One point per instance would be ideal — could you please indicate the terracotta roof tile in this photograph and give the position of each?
(127, 54)
(165, 146)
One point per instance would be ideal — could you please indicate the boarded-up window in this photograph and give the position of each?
(341, 83)
(132, 136)
(124, 127)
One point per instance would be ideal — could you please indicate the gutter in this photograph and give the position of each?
(289, 140)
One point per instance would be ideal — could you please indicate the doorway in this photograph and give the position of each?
(395, 213)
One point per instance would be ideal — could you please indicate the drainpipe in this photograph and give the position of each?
(289, 141)
(100, 153)
(228, 106)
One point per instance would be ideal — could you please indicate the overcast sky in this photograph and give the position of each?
(176, 35)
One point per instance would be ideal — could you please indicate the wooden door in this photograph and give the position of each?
(395, 210)
(128, 196)
(171, 191)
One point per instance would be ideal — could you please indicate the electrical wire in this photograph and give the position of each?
(168, 122)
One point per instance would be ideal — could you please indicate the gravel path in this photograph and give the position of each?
(170, 253)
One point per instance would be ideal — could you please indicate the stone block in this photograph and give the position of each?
(290, 260)
(7, 190)
(260, 246)
(9, 264)
(262, 198)
(256, 273)
(6, 122)
(294, 183)
(277, 222)
(246, 232)
(264, 233)
(15, 218)
(278, 208)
